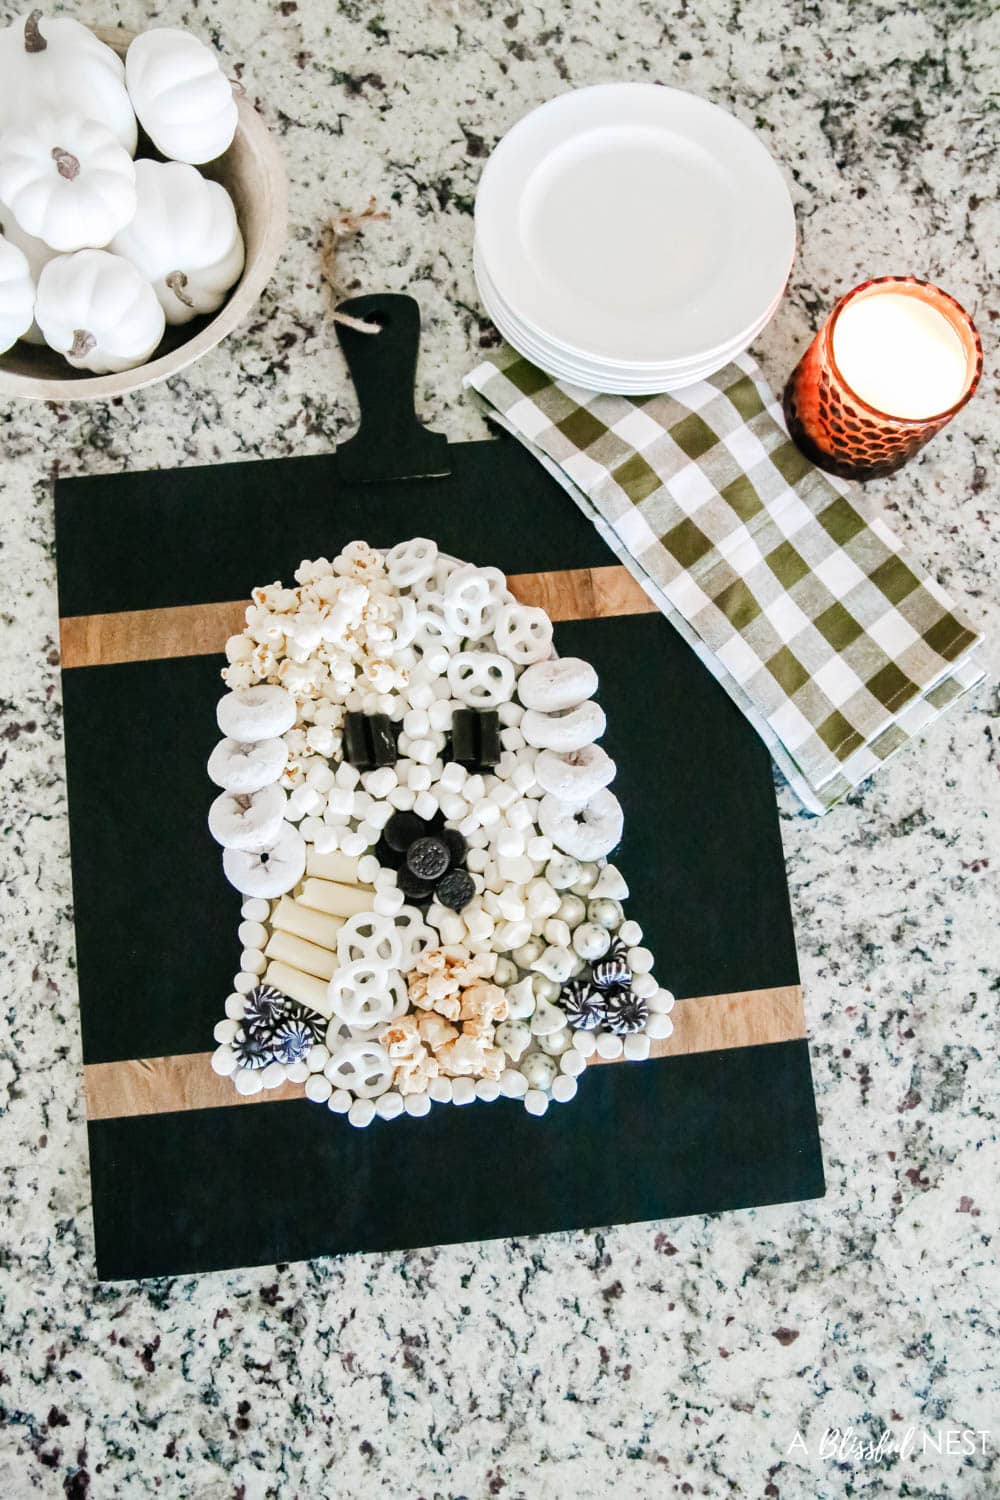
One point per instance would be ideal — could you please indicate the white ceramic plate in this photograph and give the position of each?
(591, 376)
(635, 224)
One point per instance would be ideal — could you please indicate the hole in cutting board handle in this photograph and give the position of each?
(391, 443)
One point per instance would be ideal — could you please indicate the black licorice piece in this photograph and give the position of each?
(429, 858)
(475, 739)
(387, 856)
(401, 830)
(413, 888)
(383, 739)
(455, 890)
(357, 746)
(455, 844)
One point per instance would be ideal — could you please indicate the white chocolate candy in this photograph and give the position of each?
(246, 766)
(576, 776)
(523, 634)
(554, 685)
(480, 679)
(285, 948)
(272, 872)
(334, 899)
(590, 941)
(305, 988)
(584, 832)
(247, 820)
(256, 713)
(567, 731)
(611, 883)
(291, 916)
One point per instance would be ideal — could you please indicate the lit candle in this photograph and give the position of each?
(894, 361)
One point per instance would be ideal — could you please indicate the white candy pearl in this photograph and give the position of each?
(318, 1088)
(609, 1046)
(535, 1102)
(630, 934)
(572, 1062)
(361, 1112)
(273, 1075)
(563, 1088)
(247, 1082)
(637, 1046)
(660, 1004)
(224, 1061)
(585, 1043)
(659, 1027)
(417, 1105)
(463, 1091)
(340, 1101)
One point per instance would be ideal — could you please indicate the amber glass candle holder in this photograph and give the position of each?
(848, 435)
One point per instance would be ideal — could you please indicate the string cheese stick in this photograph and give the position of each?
(289, 916)
(334, 866)
(308, 957)
(305, 988)
(336, 900)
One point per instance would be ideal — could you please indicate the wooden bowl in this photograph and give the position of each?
(253, 172)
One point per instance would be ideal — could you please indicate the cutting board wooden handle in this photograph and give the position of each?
(391, 443)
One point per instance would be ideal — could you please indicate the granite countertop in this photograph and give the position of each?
(676, 1358)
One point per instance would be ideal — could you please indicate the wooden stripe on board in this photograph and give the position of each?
(164, 1085)
(202, 629)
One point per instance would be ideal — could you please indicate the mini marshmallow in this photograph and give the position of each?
(340, 801)
(440, 1089)
(660, 1004)
(423, 751)
(252, 934)
(585, 1043)
(637, 1046)
(252, 961)
(361, 1112)
(455, 808)
(417, 1105)
(416, 723)
(255, 910)
(224, 1061)
(354, 843)
(389, 1106)
(572, 1062)
(236, 1006)
(388, 902)
(630, 934)
(425, 805)
(512, 738)
(487, 1089)
(640, 960)
(380, 782)
(419, 778)
(563, 1088)
(453, 777)
(510, 904)
(463, 1091)
(513, 1084)
(318, 1088)
(535, 1102)
(347, 776)
(402, 799)
(340, 1101)
(644, 986)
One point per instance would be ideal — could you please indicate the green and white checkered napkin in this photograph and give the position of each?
(836, 645)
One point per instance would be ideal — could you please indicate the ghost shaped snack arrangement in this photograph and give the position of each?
(414, 805)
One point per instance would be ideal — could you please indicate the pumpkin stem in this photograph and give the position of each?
(177, 281)
(33, 39)
(83, 342)
(67, 165)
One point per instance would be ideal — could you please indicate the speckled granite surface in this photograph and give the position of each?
(663, 1359)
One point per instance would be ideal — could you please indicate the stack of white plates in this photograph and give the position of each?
(631, 238)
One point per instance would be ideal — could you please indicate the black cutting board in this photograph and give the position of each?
(156, 922)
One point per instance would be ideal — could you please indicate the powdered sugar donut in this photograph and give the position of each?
(247, 820)
(248, 765)
(586, 832)
(564, 732)
(271, 872)
(554, 685)
(256, 713)
(574, 778)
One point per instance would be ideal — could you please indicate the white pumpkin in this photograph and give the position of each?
(60, 65)
(184, 238)
(99, 311)
(37, 254)
(183, 99)
(17, 294)
(67, 180)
